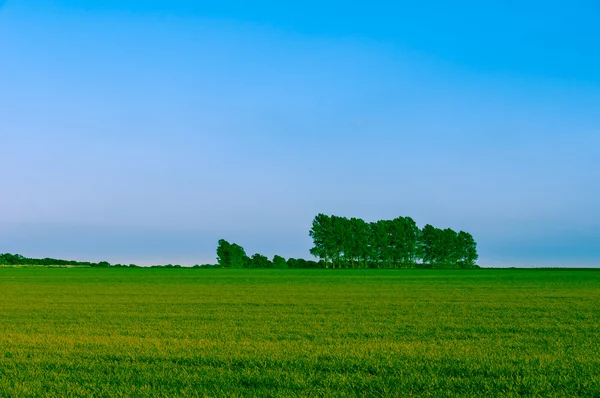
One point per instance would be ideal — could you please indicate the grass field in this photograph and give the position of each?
(185, 332)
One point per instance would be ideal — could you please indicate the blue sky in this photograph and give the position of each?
(144, 131)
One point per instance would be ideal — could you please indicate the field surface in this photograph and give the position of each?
(243, 333)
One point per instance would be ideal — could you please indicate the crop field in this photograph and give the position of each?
(285, 333)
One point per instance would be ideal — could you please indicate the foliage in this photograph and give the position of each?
(399, 243)
(17, 259)
(302, 263)
(279, 262)
(256, 333)
(339, 242)
(231, 255)
(260, 261)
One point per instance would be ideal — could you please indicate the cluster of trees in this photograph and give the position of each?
(339, 242)
(232, 255)
(399, 243)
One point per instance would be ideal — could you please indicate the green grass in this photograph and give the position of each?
(243, 333)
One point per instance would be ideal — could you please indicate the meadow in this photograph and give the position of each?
(88, 332)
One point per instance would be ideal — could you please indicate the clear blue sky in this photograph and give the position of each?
(143, 131)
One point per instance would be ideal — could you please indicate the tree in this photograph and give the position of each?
(448, 247)
(381, 252)
(361, 235)
(279, 262)
(429, 244)
(336, 241)
(231, 255)
(292, 263)
(224, 253)
(344, 241)
(321, 232)
(467, 250)
(404, 241)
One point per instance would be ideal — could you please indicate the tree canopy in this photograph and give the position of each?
(399, 243)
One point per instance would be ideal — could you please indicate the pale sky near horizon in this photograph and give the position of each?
(144, 131)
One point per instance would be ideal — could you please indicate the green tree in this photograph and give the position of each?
(224, 253)
(467, 250)
(404, 241)
(381, 244)
(361, 239)
(260, 261)
(429, 244)
(337, 241)
(231, 255)
(279, 262)
(449, 247)
(440, 247)
(321, 234)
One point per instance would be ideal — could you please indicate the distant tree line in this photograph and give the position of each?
(232, 255)
(338, 242)
(17, 259)
(399, 243)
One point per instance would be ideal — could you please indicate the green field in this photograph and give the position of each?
(186, 332)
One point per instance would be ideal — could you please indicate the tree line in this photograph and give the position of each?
(399, 243)
(17, 259)
(338, 242)
(232, 255)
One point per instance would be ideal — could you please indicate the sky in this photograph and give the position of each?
(144, 131)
